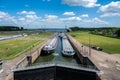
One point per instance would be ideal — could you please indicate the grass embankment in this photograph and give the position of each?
(10, 49)
(109, 45)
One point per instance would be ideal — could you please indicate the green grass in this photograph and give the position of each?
(109, 45)
(10, 49)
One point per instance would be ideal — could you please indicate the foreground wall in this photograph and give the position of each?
(54, 73)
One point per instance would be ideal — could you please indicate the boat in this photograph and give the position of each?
(61, 34)
(67, 49)
(50, 46)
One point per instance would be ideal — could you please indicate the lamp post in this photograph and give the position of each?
(89, 45)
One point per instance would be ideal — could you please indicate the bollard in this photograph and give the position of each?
(29, 59)
(1, 62)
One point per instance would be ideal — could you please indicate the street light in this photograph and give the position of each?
(89, 45)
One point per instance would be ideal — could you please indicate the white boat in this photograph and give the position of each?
(67, 49)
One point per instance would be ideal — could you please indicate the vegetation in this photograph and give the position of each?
(10, 28)
(104, 31)
(109, 45)
(10, 49)
(109, 32)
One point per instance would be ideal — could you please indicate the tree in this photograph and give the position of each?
(117, 33)
(21, 28)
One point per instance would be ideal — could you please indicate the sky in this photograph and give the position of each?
(60, 13)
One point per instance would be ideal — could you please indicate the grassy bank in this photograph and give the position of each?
(109, 45)
(10, 49)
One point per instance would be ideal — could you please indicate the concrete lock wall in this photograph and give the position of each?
(24, 62)
(36, 54)
(78, 48)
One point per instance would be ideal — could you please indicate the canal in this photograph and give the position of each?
(57, 56)
(67, 68)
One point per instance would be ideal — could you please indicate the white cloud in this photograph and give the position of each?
(5, 18)
(34, 21)
(84, 15)
(32, 17)
(28, 17)
(27, 12)
(3, 14)
(51, 17)
(110, 14)
(99, 21)
(111, 9)
(21, 19)
(71, 19)
(69, 13)
(84, 3)
(95, 22)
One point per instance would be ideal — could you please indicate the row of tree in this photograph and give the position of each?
(105, 31)
(110, 32)
(11, 28)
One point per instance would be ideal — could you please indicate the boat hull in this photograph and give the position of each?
(47, 52)
(66, 55)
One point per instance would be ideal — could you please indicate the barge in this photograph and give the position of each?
(67, 49)
(50, 46)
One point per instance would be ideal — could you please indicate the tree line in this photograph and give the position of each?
(104, 31)
(11, 28)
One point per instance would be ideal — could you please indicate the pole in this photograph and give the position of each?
(89, 45)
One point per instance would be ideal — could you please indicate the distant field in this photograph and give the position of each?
(9, 49)
(109, 45)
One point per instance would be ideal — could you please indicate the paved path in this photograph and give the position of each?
(109, 65)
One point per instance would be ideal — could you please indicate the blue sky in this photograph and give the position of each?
(58, 13)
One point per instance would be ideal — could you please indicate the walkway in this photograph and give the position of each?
(109, 65)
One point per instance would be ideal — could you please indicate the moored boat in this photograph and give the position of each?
(50, 46)
(67, 49)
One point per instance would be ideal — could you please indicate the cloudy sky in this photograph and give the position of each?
(60, 13)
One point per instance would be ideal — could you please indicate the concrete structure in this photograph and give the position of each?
(55, 71)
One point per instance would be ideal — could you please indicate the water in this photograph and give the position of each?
(57, 56)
